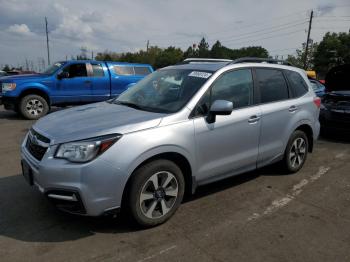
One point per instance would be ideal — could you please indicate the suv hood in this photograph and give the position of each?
(338, 79)
(94, 120)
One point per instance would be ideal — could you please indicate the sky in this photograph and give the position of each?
(280, 26)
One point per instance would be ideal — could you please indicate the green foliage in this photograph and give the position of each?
(161, 57)
(6, 68)
(334, 49)
(298, 59)
(203, 48)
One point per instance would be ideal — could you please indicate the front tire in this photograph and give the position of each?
(296, 152)
(156, 191)
(33, 107)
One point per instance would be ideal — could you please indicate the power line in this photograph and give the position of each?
(265, 21)
(274, 36)
(263, 32)
(253, 34)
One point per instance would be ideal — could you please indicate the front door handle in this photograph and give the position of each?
(292, 109)
(253, 119)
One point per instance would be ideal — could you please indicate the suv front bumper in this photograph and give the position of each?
(94, 188)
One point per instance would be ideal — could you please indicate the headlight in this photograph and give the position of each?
(8, 87)
(86, 150)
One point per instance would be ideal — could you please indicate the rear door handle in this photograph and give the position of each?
(87, 82)
(253, 119)
(292, 109)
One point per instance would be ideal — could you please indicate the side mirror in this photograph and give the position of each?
(63, 75)
(219, 107)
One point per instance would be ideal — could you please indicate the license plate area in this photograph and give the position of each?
(27, 172)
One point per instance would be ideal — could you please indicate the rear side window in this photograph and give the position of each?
(272, 85)
(296, 83)
(142, 70)
(124, 70)
(97, 70)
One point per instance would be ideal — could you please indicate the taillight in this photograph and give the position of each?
(317, 102)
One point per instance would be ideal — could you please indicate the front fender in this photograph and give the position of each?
(157, 151)
(25, 87)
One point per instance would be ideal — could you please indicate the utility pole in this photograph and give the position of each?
(92, 55)
(147, 45)
(47, 42)
(308, 39)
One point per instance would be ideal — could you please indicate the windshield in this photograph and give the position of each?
(164, 91)
(52, 69)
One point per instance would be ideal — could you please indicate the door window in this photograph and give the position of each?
(235, 86)
(76, 70)
(97, 70)
(272, 85)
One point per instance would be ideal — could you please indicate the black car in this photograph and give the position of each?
(335, 108)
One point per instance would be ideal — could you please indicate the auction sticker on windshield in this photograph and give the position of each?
(200, 74)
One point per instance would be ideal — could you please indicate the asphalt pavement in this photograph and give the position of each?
(263, 215)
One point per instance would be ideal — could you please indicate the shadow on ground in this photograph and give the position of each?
(28, 216)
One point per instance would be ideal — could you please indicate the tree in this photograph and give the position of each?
(298, 59)
(334, 49)
(6, 68)
(169, 56)
(217, 50)
(191, 52)
(107, 56)
(203, 48)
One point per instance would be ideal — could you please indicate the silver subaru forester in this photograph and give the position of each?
(179, 128)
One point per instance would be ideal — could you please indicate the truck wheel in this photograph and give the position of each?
(156, 191)
(296, 152)
(33, 107)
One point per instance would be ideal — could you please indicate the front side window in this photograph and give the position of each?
(164, 91)
(297, 83)
(52, 69)
(124, 70)
(235, 86)
(76, 70)
(272, 85)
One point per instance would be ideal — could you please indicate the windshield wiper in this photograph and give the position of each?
(132, 105)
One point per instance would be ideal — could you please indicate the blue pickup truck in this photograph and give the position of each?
(68, 83)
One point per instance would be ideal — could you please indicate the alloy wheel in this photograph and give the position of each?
(297, 152)
(34, 107)
(159, 194)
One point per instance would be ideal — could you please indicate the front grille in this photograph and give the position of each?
(37, 144)
(39, 136)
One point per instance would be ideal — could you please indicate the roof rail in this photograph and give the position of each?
(205, 60)
(260, 60)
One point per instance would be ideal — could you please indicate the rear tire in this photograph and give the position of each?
(156, 191)
(296, 152)
(33, 107)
